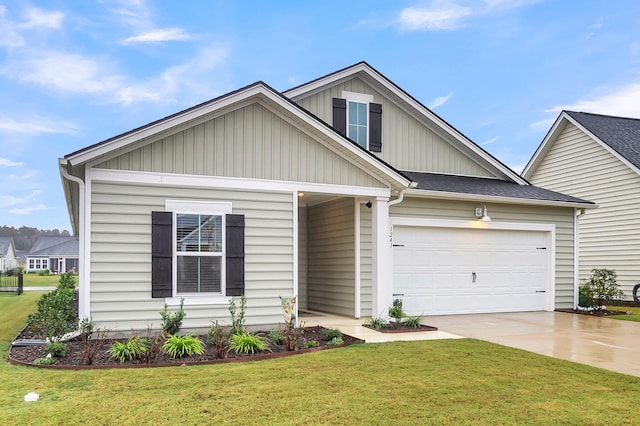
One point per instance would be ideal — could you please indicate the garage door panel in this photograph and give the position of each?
(434, 270)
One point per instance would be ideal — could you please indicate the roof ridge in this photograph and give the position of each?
(602, 115)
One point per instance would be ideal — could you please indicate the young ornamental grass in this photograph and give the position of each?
(132, 349)
(247, 343)
(180, 346)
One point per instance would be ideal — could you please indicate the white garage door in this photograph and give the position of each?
(440, 271)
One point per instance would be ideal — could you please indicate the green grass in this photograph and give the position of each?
(633, 310)
(445, 382)
(35, 280)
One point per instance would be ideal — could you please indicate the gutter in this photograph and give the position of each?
(83, 302)
(401, 195)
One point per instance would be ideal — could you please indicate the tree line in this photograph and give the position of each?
(25, 236)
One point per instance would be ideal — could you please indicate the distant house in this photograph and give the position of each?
(8, 258)
(597, 157)
(57, 254)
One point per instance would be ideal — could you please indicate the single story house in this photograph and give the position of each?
(8, 257)
(345, 191)
(597, 157)
(57, 254)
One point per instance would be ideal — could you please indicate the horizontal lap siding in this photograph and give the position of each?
(121, 254)
(251, 142)
(331, 273)
(406, 142)
(609, 235)
(561, 217)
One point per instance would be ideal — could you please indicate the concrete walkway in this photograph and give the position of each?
(599, 342)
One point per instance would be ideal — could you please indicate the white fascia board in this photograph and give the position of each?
(163, 179)
(383, 81)
(421, 193)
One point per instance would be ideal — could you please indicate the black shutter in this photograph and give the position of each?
(161, 254)
(235, 254)
(340, 115)
(375, 127)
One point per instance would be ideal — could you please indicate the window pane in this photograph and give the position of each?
(198, 233)
(199, 274)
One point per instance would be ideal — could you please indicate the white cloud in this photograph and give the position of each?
(12, 31)
(38, 18)
(490, 141)
(159, 35)
(440, 100)
(28, 210)
(542, 125)
(622, 101)
(4, 162)
(441, 15)
(29, 124)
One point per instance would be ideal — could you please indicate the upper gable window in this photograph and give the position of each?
(358, 118)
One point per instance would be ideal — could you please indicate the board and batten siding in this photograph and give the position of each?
(121, 254)
(406, 142)
(366, 261)
(249, 142)
(609, 235)
(561, 217)
(331, 263)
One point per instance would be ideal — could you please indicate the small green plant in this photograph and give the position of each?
(133, 348)
(376, 323)
(237, 323)
(291, 335)
(414, 322)
(396, 312)
(43, 361)
(331, 333)
(171, 323)
(335, 341)
(585, 296)
(276, 337)
(57, 349)
(90, 346)
(248, 343)
(218, 337)
(54, 316)
(604, 285)
(180, 346)
(153, 341)
(310, 343)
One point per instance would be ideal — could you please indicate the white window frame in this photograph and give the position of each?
(201, 208)
(39, 263)
(360, 98)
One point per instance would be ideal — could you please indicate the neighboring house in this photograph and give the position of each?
(8, 257)
(57, 254)
(597, 157)
(260, 193)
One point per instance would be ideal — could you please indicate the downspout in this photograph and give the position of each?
(83, 302)
(401, 195)
(576, 256)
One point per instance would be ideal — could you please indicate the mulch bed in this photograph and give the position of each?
(393, 328)
(25, 355)
(598, 313)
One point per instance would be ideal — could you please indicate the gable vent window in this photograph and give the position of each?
(357, 117)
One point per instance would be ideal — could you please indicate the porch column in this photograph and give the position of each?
(382, 272)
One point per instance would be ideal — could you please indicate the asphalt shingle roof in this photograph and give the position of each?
(620, 133)
(55, 246)
(488, 187)
(5, 243)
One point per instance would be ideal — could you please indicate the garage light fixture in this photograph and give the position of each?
(482, 214)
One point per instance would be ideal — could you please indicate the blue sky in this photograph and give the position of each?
(73, 73)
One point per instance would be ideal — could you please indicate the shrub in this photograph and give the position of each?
(218, 337)
(54, 316)
(66, 281)
(291, 335)
(310, 344)
(248, 343)
(414, 322)
(585, 296)
(133, 348)
(396, 312)
(331, 333)
(603, 283)
(43, 361)
(180, 346)
(57, 349)
(90, 346)
(376, 323)
(171, 323)
(154, 346)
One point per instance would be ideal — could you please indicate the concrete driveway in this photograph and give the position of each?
(600, 342)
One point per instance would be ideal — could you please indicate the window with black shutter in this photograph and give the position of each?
(359, 120)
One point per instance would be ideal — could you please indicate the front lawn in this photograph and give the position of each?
(445, 382)
(633, 313)
(35, 280)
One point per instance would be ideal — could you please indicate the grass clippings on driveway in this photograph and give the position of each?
(445, 382)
